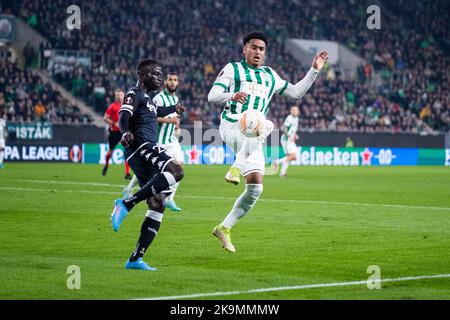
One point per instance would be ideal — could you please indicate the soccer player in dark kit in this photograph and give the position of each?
(155, 170)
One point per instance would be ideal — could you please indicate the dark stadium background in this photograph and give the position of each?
(320, 225)
(408, 56)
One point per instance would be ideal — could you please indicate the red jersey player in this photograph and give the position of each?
(112, 118)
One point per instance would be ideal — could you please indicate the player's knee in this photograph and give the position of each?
(156, 203)
(176, 170)
(179, 173)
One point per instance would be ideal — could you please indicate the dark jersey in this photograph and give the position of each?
(143, 122)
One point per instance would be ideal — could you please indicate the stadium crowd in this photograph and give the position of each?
(197, 38)
(25, 98)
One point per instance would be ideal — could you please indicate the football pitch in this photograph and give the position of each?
(312, 235)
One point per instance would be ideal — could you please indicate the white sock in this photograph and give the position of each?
(132, 183)
(284, 166)
(243, 204)
(1, 156)
(174, 188)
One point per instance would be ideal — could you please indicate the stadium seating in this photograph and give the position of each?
(197, 38)
(25, 98)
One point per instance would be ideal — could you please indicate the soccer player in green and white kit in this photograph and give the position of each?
(288, 138)
(241, 86)
(166, 132)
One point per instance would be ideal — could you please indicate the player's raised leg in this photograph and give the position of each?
(230, 133)
(233, 176)
(172, 174)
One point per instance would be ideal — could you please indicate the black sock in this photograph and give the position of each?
(149, 230)
(157, 184)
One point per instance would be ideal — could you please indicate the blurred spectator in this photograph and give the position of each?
(25, 98)
(349, 143)
(39, 110)
(28, 54)
(197, 38)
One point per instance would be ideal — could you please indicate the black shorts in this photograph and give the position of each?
(147, 161)
(114, 139)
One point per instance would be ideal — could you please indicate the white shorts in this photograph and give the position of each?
(2, 143)
(174, 150)
(248, 151)
(288, 147)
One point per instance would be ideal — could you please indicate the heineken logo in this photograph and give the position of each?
(334, 157)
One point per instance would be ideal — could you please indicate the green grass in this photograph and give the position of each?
(279, 243)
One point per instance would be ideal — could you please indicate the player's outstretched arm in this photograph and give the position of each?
(300, 88)
(127, 136)
(173, 120)
(178, 108)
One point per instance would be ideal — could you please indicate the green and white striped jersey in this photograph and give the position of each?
(260, 84)
(166, 131)
(291, 124)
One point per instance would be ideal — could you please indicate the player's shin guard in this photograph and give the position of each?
(149, 230)
(157, 184)
(127, 167)
(243, 204)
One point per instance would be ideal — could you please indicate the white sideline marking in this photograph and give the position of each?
(56, 191)
(306, 286)
(400, 206)
(72, 182)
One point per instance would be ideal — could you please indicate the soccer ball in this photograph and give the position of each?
(251, 123)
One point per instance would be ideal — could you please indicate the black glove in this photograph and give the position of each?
(180, 108)
(127, 139)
